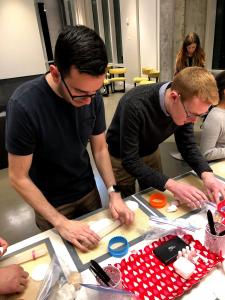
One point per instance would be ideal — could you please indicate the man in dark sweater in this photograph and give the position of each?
(145, 117)
(49, 123)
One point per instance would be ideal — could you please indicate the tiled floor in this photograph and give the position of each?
(16, 217)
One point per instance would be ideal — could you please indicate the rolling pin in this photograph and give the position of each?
(23, 257)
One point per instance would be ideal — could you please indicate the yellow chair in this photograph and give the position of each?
(117, 75)
(151, 73)
(106, 85)
(138, 80)
(146, 82)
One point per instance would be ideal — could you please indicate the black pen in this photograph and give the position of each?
(99, 275)
(211, 222)
(99, 269)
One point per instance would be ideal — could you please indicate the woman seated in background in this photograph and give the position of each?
(191, 53)
(212, 143)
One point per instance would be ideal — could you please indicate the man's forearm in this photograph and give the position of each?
(104, 166)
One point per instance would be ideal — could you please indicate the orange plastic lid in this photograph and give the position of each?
(157, 200)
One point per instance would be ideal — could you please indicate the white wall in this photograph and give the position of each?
(130, 37)
(148, 27)
(140, 35)
(21, 52)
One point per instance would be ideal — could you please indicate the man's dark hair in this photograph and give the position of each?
(81, 47)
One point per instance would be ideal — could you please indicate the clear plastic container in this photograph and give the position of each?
(215, 243)
(116, 282)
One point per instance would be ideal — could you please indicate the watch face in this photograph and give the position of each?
(117, 188)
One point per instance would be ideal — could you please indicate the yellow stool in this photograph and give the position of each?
(106, 85)
(138, 80)
(151, 73)
(117, 75)
(146, 82)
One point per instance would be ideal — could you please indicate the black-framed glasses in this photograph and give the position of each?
(190, 115)
(82, 97)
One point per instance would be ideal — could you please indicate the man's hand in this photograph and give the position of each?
(190, 195)
(79, 234)
(119, 209)
(13, 279)
(214, 187)
(4, 246)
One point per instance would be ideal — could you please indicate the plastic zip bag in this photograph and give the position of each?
(54, 278)
(159, 227)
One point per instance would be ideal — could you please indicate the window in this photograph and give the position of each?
(105, 12)
(119, 45)
(95, 15)
(107, 23)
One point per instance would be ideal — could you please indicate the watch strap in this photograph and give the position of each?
(111, 189)
(114, 188)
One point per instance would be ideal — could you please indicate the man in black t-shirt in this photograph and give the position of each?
(49, 123)
(145, 117)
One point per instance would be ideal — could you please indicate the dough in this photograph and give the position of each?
(172, 208)
(106, 225)
(66, 292)
(133, 205)
(39, 272)
(97, 226)
(75, 279)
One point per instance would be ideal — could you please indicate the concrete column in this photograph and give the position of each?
(177, 19)
(195, 18)
(167, 16)
(178, 28)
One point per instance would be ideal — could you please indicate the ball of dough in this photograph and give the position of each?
(133, 205)
(39, 272)
(75, 279)
(172, 208)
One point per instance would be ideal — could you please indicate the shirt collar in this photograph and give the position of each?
(162, 92)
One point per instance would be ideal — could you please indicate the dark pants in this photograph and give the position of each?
(126, 181)
(88, 203)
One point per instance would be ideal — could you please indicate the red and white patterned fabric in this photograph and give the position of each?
(145, 275)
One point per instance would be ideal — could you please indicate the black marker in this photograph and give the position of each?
(211, 222)
(97, 269)
(99, 275)
(222, 233)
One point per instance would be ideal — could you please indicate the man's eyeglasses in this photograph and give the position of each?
(82, 97)
(190, 115)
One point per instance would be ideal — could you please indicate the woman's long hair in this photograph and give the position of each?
(182, 56)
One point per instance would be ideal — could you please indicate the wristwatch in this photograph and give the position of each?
(114, 188)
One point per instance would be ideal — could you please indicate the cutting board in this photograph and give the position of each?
(182, 209)
(130, 232)
(33, 287)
